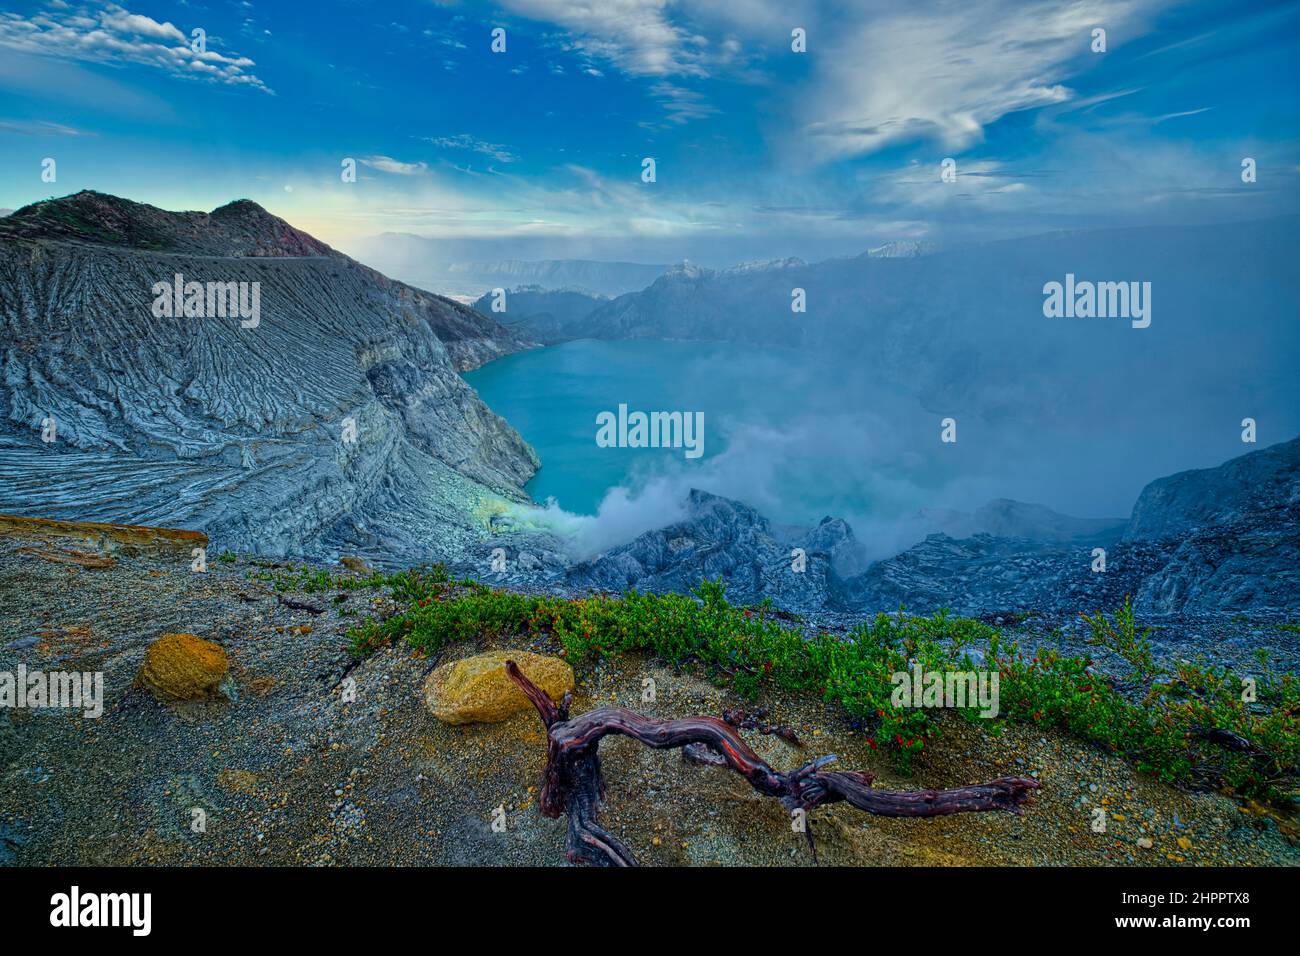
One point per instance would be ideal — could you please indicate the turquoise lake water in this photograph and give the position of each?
(782, 432)
(799, 438)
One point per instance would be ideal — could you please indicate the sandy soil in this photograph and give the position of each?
(286, 772)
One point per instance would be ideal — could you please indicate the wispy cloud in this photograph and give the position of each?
(1182, 113)
(645, 39)
(40, 128)
(386, 164)
(880, 75)
(945, 72)
(984, 183)
(464, 141)
(115, 35)
(638, 36)
(681, 104)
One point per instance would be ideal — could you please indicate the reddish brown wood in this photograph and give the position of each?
(743, 720)
(572, 782)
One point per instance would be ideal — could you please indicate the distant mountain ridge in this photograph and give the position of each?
(468, 270)
(902, 249)
(581, 275)
(965, 328)
(535, 311)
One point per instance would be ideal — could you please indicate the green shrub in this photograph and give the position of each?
(405, 584)
(1153, 717)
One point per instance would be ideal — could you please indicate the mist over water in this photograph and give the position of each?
(800, 436)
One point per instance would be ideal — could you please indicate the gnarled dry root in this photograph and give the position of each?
(572, 782)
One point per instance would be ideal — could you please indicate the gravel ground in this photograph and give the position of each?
(286, 772)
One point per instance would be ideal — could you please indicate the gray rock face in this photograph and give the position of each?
(1260, 481)
(1005, 518)
(239, 432)
(1232, 533)
(540, 313)
(984, 575)
(1241, 555)
(720, 538)
(724, 538)
(1245, 567)
(1209, 542)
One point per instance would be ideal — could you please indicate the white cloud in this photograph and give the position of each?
(386, 164)
(115, 35)
(119, 21)
(681, 104)
(40, 128)
(635, 35)
(919, 187)
(946, 72)
(639, 38)
(575, 203)
(881, 75)
(501, 154)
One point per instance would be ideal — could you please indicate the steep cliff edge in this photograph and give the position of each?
(1234, 532)
(1210, 542)
(335, 421)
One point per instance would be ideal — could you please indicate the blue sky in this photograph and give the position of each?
(760, 151)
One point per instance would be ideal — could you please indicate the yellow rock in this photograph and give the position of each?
(356, 565)
(182, 667)
(477, 690)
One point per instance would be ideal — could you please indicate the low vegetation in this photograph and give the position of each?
(1196, 725)
(311, 580)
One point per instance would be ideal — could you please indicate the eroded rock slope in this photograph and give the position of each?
(240, 431)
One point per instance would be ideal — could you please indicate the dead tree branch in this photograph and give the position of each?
(572, 781)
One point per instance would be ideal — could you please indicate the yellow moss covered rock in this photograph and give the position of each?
(477, 690)
(183, 667)
(356, 565)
